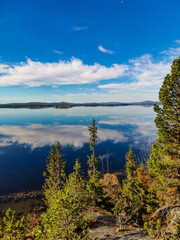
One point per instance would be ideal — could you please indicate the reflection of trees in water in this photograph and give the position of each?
(143, 155)
(105, 163)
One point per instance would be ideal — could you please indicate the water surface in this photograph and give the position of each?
(26, 136)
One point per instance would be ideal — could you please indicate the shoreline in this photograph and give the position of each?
(38, 194)
(71, 105)
(22, 203)
(21, 196)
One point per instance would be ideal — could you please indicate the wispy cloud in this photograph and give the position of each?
(177, 41)
(144, 73)
(104, 50)
(172, 52)
(33, 74)
(80, 28)
(58, 52)
(147, 72)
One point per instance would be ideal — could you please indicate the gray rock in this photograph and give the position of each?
(105, 228)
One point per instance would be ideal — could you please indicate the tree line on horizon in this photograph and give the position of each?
(147, 187)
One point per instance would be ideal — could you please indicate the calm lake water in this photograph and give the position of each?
(26, 137)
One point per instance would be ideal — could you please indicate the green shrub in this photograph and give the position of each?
(11, 228)
(153, 227)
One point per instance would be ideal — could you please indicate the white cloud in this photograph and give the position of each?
(147, 72)
(58, 52)
(177, 41)
(3, 68)
(104, 50)
(144, 73)
(80, 28)
(38, 135)
(172, 52)
(34, 74)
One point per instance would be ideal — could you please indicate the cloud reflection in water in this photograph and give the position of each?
(39, 135)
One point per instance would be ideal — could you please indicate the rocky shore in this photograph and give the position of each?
(21, 196)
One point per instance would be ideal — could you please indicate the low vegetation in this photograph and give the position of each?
(149, 196)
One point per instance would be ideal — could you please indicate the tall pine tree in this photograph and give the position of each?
(94, 186)
(92, 160)
(164, 163)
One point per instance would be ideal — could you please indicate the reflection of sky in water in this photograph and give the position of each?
(26, 136)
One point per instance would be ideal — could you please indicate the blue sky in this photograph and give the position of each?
(86, 51)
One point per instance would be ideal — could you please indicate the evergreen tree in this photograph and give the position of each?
(55, 174)
(129, 199)
(92, 160)
(130, 166)
(136, 197)
(94, 186)
(69, 211)
(164, 163)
